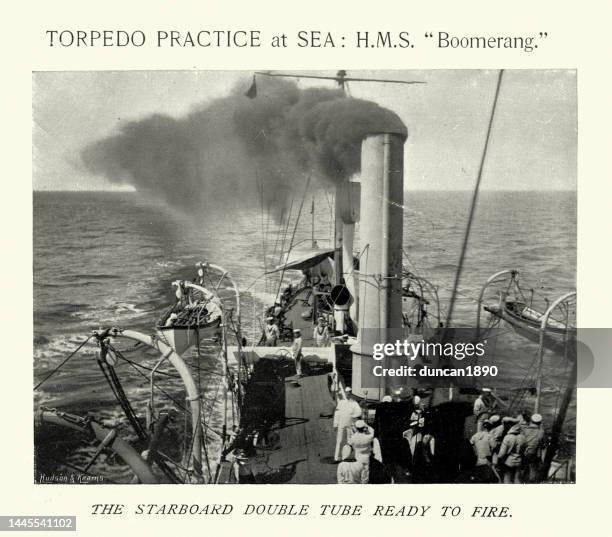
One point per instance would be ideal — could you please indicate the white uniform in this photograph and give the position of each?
(296, 354)
(362, 442)
(347, 411)
(479, 406)
(352, 472)
(321, 336)
(272, 334)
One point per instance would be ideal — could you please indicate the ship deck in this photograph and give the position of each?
(303, 451)
(300, 437)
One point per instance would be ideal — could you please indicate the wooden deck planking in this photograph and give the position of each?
(310, 442)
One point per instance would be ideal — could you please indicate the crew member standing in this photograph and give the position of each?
(496, 433)
(481, 411)
(271, 332)
(481, 443)
(422, 449)
(321, 333)
(296, 351)
(347, 411)
(534, 443)
(511, 453)
(362, 441)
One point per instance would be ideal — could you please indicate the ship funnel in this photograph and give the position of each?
(380, 269)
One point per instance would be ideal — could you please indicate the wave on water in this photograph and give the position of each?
(444, 266)
(169, 264)
(95, 276)
(48, 348)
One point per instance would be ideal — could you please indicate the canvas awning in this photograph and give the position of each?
(301, 261)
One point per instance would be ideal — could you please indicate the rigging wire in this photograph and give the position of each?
(283, 233)
(263, 226)
(474, 202)
(166, 394)
(297, 221)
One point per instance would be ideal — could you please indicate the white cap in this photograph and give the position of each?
(536, 418)
(297, 331)
(416, 400)
(360, 424)
(348, 389)
(387, 399)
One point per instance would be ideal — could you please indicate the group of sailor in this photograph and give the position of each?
(358, 448)
(508, 449)
(355, 442)
(321, 334)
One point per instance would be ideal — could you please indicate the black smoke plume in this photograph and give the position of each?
(234, 151)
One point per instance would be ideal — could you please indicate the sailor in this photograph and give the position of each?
(422, 449)
(286, 296)
(362, 441)
(417, 409)
(351, 471)
(481, 411)
(481, 443)
(479, 405)
(271, 332)
(347, 411)
(496, 433)
(510, 456)
(321, 333)
(534, 443)
(296, 351)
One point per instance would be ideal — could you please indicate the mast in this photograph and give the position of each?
(342, 81)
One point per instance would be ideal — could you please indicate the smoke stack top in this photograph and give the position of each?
(235, 150)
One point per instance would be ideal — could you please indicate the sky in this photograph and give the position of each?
(533, 142)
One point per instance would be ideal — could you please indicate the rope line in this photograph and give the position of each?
(62, 364)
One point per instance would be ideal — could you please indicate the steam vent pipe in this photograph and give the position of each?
(380, 271)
